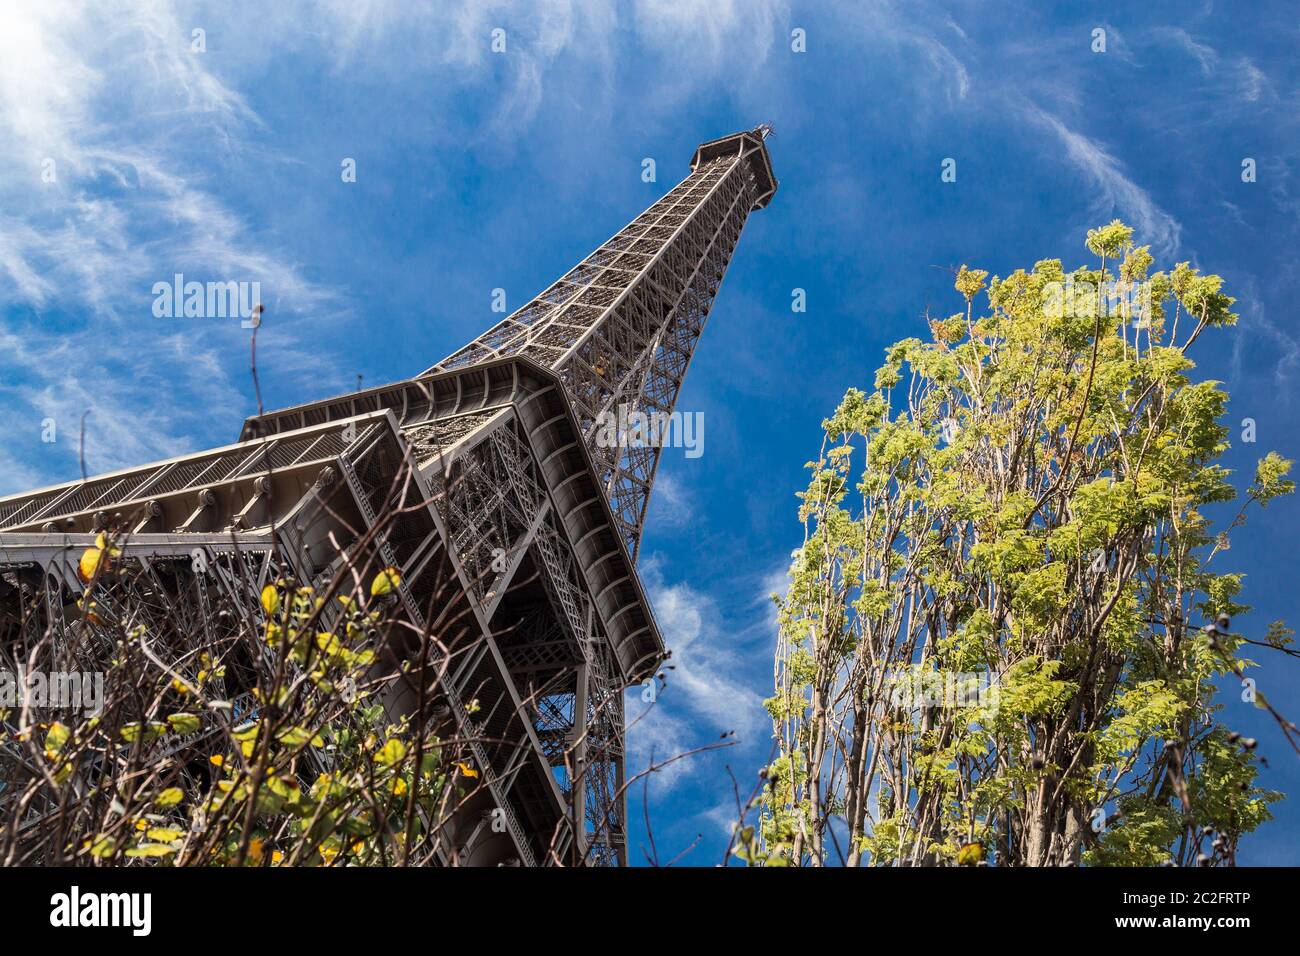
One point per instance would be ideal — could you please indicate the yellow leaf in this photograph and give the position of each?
(391, 753)
(217, 760)
(328, 643)
(170, 797)
(56, 738)
(385, 581)
(270, 599)
(103, 847)
(970, 854)
(466, 769)
(152, 849)
(164, 834)
(89, 563)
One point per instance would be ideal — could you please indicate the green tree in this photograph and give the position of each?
(992, 647)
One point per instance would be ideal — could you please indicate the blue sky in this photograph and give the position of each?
(478, 170)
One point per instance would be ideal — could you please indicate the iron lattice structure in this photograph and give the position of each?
(491, 462)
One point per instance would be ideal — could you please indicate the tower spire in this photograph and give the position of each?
(621, 326)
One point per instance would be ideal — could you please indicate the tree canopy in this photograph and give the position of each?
(994, 645)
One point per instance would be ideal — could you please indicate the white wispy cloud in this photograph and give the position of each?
(776, 581)
(1239, 74)
(105, 93)
(903, 31)
(705, 35)
(106, 119)
(708, 671)
(1251, 81)
(1280, 344)
(712, 687)
(724, 816)
(1115, 193)
(671, 505)
(944, 62)
(1203, 53)
(61, 377)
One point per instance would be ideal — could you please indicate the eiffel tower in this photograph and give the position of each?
(507, 481)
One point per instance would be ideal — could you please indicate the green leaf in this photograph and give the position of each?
(144, 732)
(185, 724)
(297, 737)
